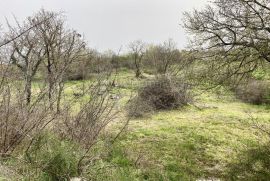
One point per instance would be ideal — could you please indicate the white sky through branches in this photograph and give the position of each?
(110, 24)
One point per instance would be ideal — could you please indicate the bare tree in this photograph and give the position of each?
(163, 56)
(20, 121)
(50, 33)
(62, 47)
(233, 32)
(137, 50)
(25, 49)
(7, 41)
(27, 54)
(73, 49)
(94, 115)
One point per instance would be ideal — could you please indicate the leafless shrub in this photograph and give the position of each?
(160, 94)
(24, 115)
(137, 107)
(94, 114)
(24, 110)
(163, 58)
(137, 51)
(254, 91)
(18, 121)
(84, 124)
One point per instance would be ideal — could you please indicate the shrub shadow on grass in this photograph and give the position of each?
(253, 164)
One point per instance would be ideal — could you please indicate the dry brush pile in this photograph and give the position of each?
(162, 93)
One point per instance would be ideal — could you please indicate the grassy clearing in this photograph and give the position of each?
(214, 139)
(192, 143)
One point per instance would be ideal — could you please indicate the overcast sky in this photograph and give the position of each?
(110, 24)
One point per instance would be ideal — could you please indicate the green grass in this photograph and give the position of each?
(214, 139)
(192, 143)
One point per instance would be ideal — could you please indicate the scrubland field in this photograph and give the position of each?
(215, 137)
(152, 112)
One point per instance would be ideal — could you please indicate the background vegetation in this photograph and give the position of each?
(154, 113)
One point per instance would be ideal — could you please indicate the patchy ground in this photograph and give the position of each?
(214, 138)
(7, 174)
(211, 139)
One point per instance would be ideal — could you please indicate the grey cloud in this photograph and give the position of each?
(108, 24)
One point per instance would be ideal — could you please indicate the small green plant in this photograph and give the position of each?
(55, 159)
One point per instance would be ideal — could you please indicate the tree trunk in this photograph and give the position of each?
(59, 96)
(28, 91)
(138, 73)
(50, 82)
(137, 66)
